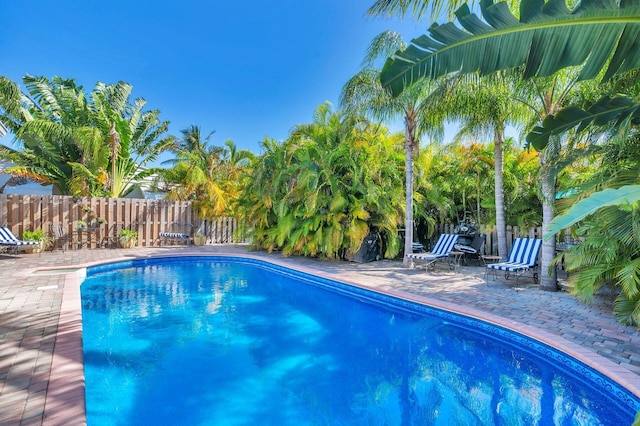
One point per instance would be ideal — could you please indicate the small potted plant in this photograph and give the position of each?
(128, 239)
(81, 224)
(39, 236)
(199, 239)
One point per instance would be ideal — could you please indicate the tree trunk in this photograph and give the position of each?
(409, 147)
(501, 227)
(548, 273)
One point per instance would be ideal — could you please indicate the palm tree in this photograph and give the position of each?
(485, 107)
(135, 136)
(363, 95)
(199, 172)
(82, 145)
(52, 141)
(593, 36)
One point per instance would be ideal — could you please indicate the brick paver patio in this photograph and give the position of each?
(41, 379)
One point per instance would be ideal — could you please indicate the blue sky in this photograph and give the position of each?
(245, 69)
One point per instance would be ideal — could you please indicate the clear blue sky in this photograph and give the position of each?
(245, 69)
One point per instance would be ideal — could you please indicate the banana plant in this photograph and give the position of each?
(626, 195)
(545, 38)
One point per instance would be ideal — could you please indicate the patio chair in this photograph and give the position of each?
(471, 249)
(523, 257)
(441, 250)
(11, 243)
(60, 236)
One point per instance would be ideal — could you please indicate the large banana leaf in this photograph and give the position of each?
(609, 197)
(547, 37)
(606, 110)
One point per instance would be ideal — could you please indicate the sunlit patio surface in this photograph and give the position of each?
(40, 323)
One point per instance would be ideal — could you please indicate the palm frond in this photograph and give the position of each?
(619, 109)
(546, 38)
(587, 206)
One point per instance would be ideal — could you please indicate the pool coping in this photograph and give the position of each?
(65, 398)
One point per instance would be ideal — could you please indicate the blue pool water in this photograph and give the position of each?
(224, 341)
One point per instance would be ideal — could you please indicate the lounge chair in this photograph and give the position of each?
(523, 257)
(179, 233)
(441, 250)
(10, 242)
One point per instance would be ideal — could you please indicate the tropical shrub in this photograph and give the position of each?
(459, 178)
(325, 188)
(205, 173)
(38, 235)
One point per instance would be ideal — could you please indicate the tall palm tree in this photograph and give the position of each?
(417, 106)
(544, 97)
(485, 107)
(197, 172)
(136, 137)
(598, 37)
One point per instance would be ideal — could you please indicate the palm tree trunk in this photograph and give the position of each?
(501, 227)
(409, 147)
(548, 273)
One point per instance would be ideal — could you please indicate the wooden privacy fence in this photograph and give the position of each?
(110, 215)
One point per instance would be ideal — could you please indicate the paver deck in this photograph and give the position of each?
(41, 378)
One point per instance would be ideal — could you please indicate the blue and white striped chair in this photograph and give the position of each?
(523, 257)
(441, 250)
(9, 241)
(179, 233)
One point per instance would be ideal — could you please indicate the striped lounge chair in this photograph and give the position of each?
(441, 250)
(179, 233)
(523, 257)
(11, 243)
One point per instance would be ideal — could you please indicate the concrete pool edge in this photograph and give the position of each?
(65, 395)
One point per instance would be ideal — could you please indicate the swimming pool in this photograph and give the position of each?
(235, 341)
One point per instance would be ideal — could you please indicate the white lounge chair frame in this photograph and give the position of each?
(441, 250)
(523, 257)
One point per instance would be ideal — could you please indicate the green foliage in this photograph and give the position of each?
(204, 173)
(597, 37)
(37, 235)
(620, 110)
(128, 238)
(96, 144)
(325, 188)
(546, 38)
(609, 255)
(626, 195)
(459, 177)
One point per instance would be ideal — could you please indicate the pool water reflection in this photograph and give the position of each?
(228, 341)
